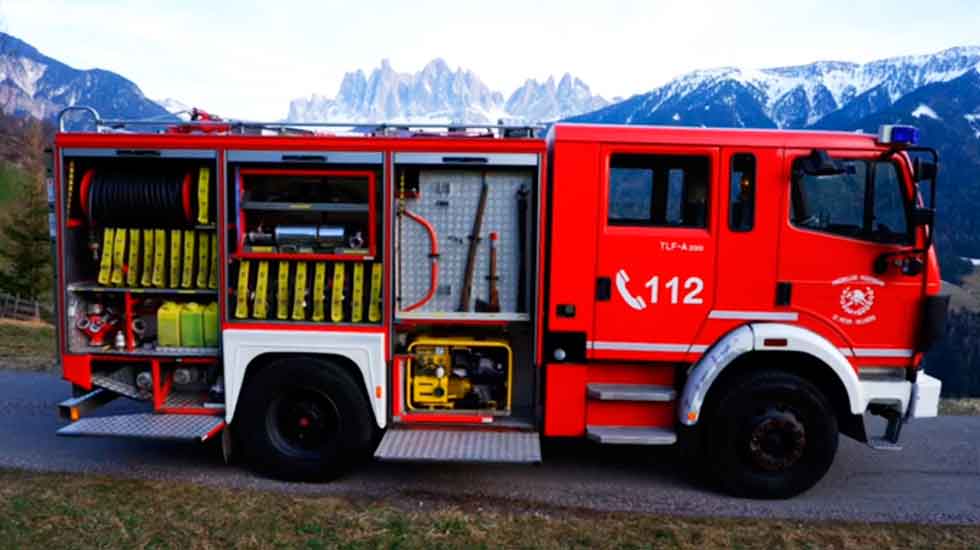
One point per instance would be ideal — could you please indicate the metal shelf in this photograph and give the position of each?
(155, 352)
(462, 316)
(359, 208)
(75, 287)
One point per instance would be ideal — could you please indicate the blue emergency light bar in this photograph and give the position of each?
(892, 134)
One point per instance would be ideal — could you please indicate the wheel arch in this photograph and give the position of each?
(775, 346)
(360, 355)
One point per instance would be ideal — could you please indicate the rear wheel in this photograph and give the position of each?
(303, 419)
(771, 435)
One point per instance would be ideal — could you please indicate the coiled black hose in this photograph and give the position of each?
(125, 199)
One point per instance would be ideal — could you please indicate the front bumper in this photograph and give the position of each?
(911, 400)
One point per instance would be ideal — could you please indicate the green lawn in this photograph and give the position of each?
(71, 511)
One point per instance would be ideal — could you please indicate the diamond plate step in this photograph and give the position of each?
(631, 392)
(435, 445)
(119, 381)
(179, 427)
(628, 435)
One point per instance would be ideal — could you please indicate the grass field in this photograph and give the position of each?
(62, 511)
(26, 345)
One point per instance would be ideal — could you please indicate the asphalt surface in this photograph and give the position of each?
(936, 479)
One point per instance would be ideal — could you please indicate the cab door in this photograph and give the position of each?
(655, 259)
(839, 226)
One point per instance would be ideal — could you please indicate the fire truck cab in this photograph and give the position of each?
(455, 294)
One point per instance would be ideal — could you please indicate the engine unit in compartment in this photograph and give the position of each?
(459, 374)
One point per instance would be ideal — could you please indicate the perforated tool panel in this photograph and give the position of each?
(449, 200)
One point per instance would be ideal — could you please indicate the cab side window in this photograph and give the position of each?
(658, 190)
(865, 202)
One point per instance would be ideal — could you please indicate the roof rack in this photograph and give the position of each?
(233, 126)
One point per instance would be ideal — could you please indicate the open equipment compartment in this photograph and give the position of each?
(464, 263)
(138, 241)
(303, 237)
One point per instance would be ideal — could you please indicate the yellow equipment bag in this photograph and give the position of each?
(147, 278)
(175, 258)
(299, 293)
(241, 302)
(282, 291)
(187, 281)
(203, 266)
(203, 179)
(132, 269)
(118, 257)
(319, 284)
(260, 307)
(159, 258)
(357, 300)
(374, 309)
(105, 265)
(337, 300)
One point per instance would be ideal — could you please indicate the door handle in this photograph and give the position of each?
(603, 289)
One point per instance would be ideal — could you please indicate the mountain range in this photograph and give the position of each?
(939, 93)
(36, 85)
(439, 94)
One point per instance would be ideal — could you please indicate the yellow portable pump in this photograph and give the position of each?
(459, 373)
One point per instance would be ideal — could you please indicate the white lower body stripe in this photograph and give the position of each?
(877, 352)
(754, 315)
(644, 346)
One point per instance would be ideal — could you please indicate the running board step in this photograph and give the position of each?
(628, 435)
(443, 445)
(176, 427)
(631, 392)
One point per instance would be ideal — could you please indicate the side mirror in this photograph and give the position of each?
(820, 163)
(925, 170)
(923, 217)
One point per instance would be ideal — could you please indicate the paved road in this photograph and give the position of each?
(935, 479)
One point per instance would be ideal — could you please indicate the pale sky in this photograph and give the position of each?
(248, 58)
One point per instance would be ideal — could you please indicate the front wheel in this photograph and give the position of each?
(772, 434)
(303, 419)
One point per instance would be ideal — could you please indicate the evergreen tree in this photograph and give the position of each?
(25, 250)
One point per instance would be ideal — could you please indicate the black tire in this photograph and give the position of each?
(771, 435)
(303, 420)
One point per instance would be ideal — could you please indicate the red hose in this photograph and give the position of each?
(434, 255)
(83, 190)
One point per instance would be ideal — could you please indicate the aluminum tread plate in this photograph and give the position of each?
(629, 435)
(178, 427)
(186, 399)
(434, 445)
(631, 392)
(119, 381)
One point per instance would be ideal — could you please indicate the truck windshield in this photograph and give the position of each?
(867, 201)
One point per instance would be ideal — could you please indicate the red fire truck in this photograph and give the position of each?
(316, 295)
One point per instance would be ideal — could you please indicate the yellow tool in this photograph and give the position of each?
(132, 270)
(374, 308)
(319, 282)
(203, 266)
(241, 296)
(105, 265)
(357, 300)
(203, 178)
(118, 257)
(147, 279)
(187, 281)
(282, 291)
(299, 293)
(337, 298)
(159, 258)
(174, 258)
(260, 306)
(213, 273)
(71, 185)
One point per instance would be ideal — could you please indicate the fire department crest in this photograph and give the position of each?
(857, 299)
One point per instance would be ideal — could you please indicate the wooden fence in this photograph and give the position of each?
(15, 307)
